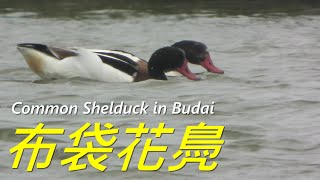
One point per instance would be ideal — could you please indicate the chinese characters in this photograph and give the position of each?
(199, 143)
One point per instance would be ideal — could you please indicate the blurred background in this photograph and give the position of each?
(267, 99)
(77, 8)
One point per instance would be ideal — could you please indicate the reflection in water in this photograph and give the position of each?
(74, 8)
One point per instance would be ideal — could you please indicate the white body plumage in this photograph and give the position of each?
(101, 65)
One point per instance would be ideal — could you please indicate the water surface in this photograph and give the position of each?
(268, 98)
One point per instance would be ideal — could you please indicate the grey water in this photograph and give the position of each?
(268, 99)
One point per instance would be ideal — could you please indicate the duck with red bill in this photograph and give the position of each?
(197, 53)
(103, 65)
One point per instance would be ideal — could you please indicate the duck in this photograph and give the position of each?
(51, 62)
(197, 53)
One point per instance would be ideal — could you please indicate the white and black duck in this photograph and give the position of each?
(103, 65)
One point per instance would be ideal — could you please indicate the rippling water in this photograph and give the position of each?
(268, 99)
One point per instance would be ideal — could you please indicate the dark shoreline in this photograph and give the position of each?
(74, 8)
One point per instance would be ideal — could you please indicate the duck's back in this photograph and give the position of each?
(102, 65)
(126, 62)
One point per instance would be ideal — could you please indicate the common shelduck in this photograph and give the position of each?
(197, 53)
(103, 65)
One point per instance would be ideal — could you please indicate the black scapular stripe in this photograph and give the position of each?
(119, 56)
(122, 66)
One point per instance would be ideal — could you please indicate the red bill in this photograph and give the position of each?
(207, 63)
(184, 70)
